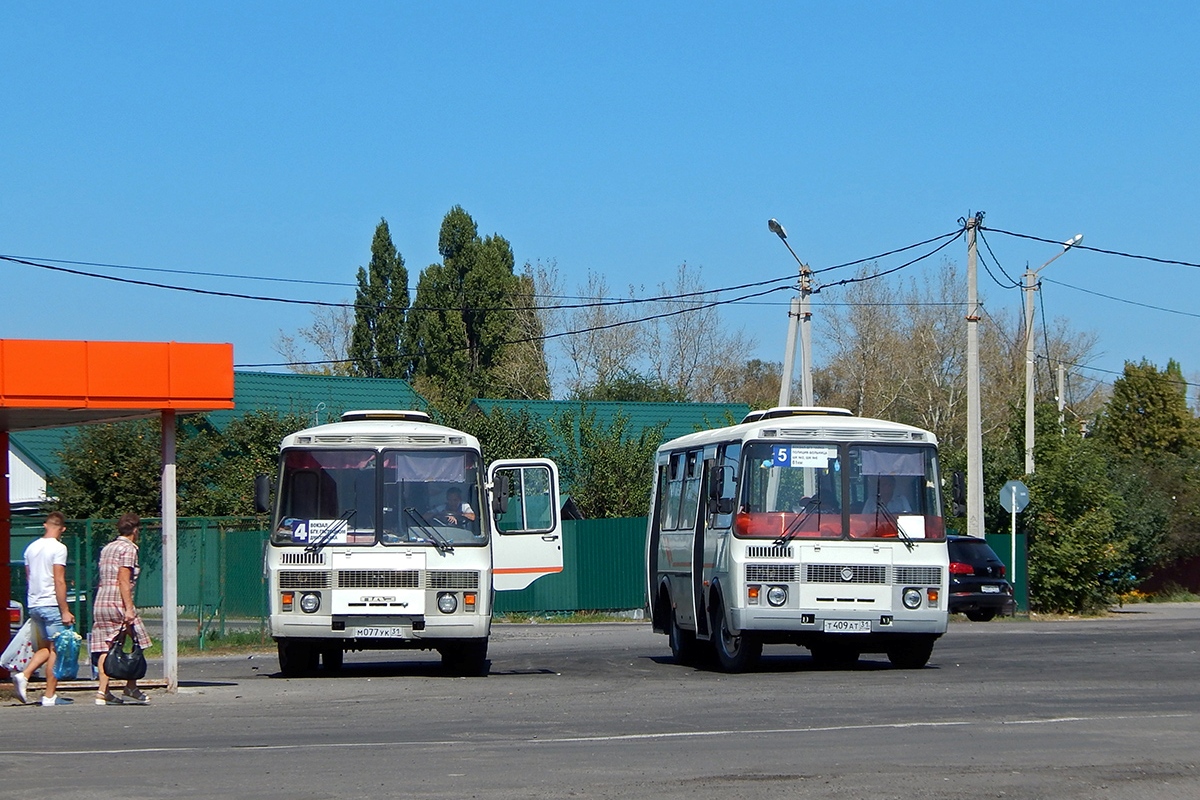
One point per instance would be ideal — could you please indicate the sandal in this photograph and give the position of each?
(134, 695)
(107, 699)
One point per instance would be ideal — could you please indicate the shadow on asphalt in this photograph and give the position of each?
(776, 664)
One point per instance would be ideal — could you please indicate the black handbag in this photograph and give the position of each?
(122, 665)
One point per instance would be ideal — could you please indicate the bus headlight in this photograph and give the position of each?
(777, 595)
(310, 602)
(912, 598)
(447, 603)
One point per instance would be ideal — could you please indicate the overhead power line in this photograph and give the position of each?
(1097, 249)
(542, 338)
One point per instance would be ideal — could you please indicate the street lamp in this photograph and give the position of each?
(799, 322)
(1030, 288)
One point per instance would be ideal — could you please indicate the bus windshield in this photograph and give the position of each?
(832, 491)
(365, 497)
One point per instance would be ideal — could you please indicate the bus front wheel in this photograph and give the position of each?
(913, 654)
(736, 652)
(684, 646)
(467, 658)
(297, 658)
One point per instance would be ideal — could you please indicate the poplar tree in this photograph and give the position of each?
(463, 327)
(380, 305)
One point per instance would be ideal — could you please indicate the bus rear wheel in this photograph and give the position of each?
(736, 652)
(913, 654)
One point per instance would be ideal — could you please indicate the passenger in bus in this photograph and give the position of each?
(454, 510)
(885, 497)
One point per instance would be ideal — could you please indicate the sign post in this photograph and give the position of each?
(1014, 496)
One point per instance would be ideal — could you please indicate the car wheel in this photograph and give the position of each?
(982, 615)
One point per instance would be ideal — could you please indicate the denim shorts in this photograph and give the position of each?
(48, 620)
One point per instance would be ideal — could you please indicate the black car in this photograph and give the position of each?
(977, 585)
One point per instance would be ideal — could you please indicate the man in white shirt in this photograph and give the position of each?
(46, 573)
(454, 510)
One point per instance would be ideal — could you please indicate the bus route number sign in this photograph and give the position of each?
(798, 456)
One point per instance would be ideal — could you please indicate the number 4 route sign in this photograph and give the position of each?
(1014, 497)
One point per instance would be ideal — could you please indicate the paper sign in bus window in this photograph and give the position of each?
(798, 456)
(304, 530)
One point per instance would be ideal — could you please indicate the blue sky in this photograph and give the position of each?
(621, 138)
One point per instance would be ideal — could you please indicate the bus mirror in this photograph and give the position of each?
(262, 493)
(500, 494)
(958, 493)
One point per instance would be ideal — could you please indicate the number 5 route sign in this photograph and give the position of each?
(1014, 497)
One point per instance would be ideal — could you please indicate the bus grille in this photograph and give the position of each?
(301, 557)
(768, 551)
(295, 579)
(845, 573)
(452, 579)
(770, 573)
(378, 579)
(919, 575)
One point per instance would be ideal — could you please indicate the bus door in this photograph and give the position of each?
(527, 536)
(691, 518)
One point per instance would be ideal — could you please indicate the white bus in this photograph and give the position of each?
(387, 532)
(800, 525)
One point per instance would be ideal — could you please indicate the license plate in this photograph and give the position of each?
(847, 626)
(991, 589)
(381, 632)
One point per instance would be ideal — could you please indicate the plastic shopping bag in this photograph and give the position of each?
(66, 654)
(19, 652)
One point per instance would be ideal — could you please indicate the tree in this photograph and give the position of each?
(108, 470)
(630, 387)
(690, 349)
(329, 334)
(605, 468)
(522, 372)
(609, 343)
(1147, 415)
(460, 330)
(755, 383)
(379, 311)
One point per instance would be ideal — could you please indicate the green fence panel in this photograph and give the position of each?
(1002, 544)
(603, 570)
(220, 575)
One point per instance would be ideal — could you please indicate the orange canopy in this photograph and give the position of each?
(46, 384)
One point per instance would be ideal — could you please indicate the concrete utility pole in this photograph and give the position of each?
(799, 326)
(170, 562)
(1030, 287)
(974, 426)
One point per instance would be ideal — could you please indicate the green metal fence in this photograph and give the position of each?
(220, 573)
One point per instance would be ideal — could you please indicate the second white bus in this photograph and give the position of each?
(807, 526)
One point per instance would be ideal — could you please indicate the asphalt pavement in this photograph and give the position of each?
(1106, 708)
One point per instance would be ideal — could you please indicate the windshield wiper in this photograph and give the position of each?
(440, 542)
(333, 530)
(793, 528)
(892, 518)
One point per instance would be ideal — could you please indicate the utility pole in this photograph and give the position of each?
(1031, 285)
(799, 326)
(1062, 399)
(974, 425)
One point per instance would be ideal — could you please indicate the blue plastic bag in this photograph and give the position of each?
(66, 654)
